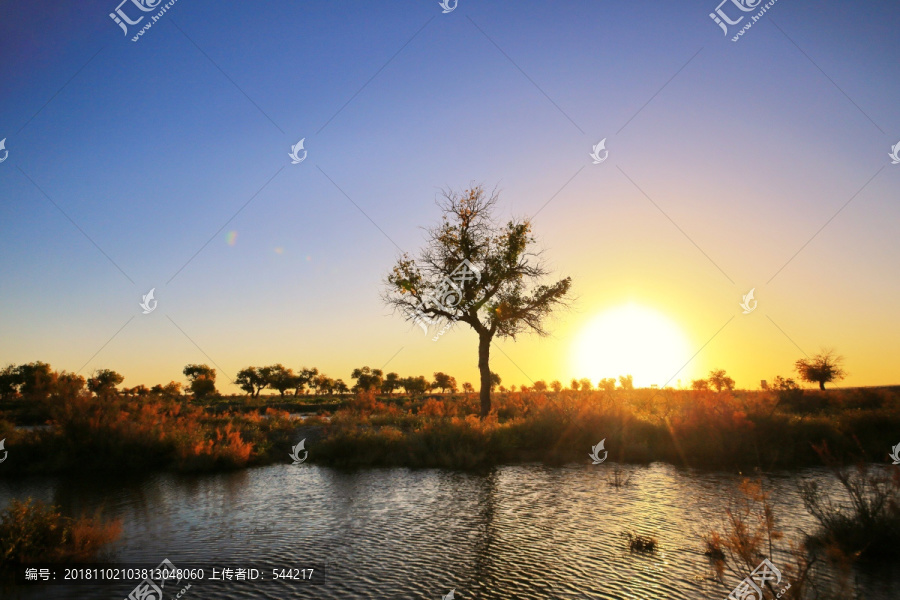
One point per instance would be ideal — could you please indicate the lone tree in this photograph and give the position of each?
(414, 385)
(325, 384)
(33, 381)
(104, 381)
(443, 382)
(822, 368)
(367, 379)
(9, 382)
(495, 381)
(506, 297)
(252, 380)
(280, 378)
(391, 382)
(202, 380)
(304, 378)
(607, 384)
(720, 380)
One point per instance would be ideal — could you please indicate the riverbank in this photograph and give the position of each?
(736, 430)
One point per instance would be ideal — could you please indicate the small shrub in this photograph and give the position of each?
(618, 478)
(868, 525)
(641, 543)
(34, 532)
(751, 533)
(713, 543)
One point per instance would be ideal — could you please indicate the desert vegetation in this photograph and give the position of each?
(31, 531)
(858, 525)
(386, 419)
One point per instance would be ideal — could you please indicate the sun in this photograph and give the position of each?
(631, 339)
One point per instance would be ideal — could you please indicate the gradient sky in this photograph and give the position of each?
(726, 159)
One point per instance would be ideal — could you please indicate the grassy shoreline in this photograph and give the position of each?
(702, 429)
(728, 430)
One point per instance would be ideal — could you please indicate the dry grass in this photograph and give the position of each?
(119, 434)
(34, 532)
(729, 429)
(751, 534)
(692, 428)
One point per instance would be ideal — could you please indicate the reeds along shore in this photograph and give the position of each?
(696, 428)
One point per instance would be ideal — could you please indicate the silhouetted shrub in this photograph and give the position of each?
(34, 532)
(866, 522)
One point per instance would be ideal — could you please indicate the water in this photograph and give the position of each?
(528, 531)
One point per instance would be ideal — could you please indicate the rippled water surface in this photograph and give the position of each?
(512, 532)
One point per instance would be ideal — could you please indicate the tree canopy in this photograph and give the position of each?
(476, 270)
(822, 368)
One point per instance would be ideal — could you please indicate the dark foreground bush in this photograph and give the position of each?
(34, 532)
(865, 522)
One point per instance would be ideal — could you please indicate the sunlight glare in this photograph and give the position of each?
(631, 339)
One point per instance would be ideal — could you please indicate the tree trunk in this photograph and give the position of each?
(821, 385)
(484, 352)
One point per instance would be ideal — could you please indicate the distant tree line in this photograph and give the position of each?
(254, 380)
(37, 380)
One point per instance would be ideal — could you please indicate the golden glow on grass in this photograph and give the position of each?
(631, 339)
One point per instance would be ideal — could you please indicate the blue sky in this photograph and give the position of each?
(725, 159)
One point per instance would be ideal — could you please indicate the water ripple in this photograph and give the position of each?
(527, 531)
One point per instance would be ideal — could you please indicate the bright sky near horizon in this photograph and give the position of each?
(163, 163)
